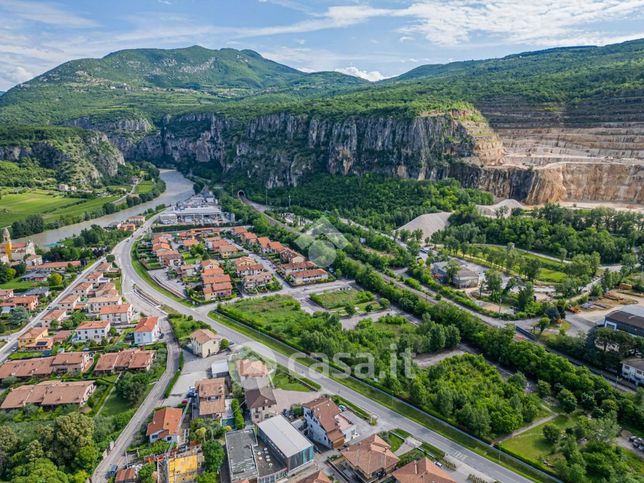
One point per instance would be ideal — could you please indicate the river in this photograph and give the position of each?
(177, 188)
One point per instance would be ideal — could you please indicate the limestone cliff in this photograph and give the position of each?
(81, 158)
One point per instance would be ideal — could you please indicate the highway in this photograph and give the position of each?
(467, 461)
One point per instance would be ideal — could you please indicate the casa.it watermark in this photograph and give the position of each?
(321, 241)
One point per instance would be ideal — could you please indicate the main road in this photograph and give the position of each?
(467, 461)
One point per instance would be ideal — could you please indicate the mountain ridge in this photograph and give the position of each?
(521, 126)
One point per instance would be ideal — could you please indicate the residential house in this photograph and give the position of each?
(117, 314)
(6, 293)
(257, 280)
(170, 258)
(126, 227)
(264, 244)
(147, 331)
(95, 304)
(371, 459)
(251, 368)
(247, 266)
(50, 267)
(125, 360)
(55, 316)
(72, 363)
(211, 402)
(96, 278)
(633, 370)
(93, 330)
(137, 220)
(227, 251)
(308, 276)
(204, 342)
(217, 290)
(165, 425)
(260, 399)
(70, 302)
(34, 338)
(206, 264)
(326, 425)
(421, 471)
(82, 289)
(28, 302)
(291, 256)
(275, 247)
(248, 238)
(49, 394)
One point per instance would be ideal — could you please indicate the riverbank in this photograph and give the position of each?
(177, 188)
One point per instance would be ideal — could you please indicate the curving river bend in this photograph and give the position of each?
(177, 188)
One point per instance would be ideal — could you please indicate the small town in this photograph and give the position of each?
(369, 241)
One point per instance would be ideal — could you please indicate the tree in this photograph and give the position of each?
(493, 283)
(214, 455)
(350, 309)
(71, 433)
(543, 324)
(41, 470)
(131, 386)
(551, 433)
(567, 400)
(145, 473)
(224, 344)
(530, 268)
(18, 316)
(525, 296)
(6, 273)
(8, 444)
(55, 280)
(239, 415)
(452, 269)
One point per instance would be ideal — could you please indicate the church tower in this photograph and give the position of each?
(6, 242)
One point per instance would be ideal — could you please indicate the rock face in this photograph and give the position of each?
(81, 158)
(529, 152)
(279, 149)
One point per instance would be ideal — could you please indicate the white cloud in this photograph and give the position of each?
(44, 13)
(405, 38)
(371, 76)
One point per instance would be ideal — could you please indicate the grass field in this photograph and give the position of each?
(14, 207)
(144, 187)
(183, 326)
(340, 298)
(18, 284)
(282, 380)
(79, 209)
(114, 405)
(532, 445)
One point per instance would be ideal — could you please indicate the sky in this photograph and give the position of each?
(373, 39)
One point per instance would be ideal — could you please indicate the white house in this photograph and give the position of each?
(147, 331)
(325, 423)
(94, 330)
(95, 304)
(633, 370)
(117, 314)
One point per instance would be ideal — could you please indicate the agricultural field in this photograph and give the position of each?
(17, 206)
(78, 209)
(144, 187)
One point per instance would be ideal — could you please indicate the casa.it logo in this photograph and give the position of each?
(321, 241)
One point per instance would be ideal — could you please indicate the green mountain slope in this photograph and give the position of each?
(157, 82)
(560, 74)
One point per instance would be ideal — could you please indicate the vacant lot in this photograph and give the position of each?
(531, 445)
(341, 298)
(18, 206)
